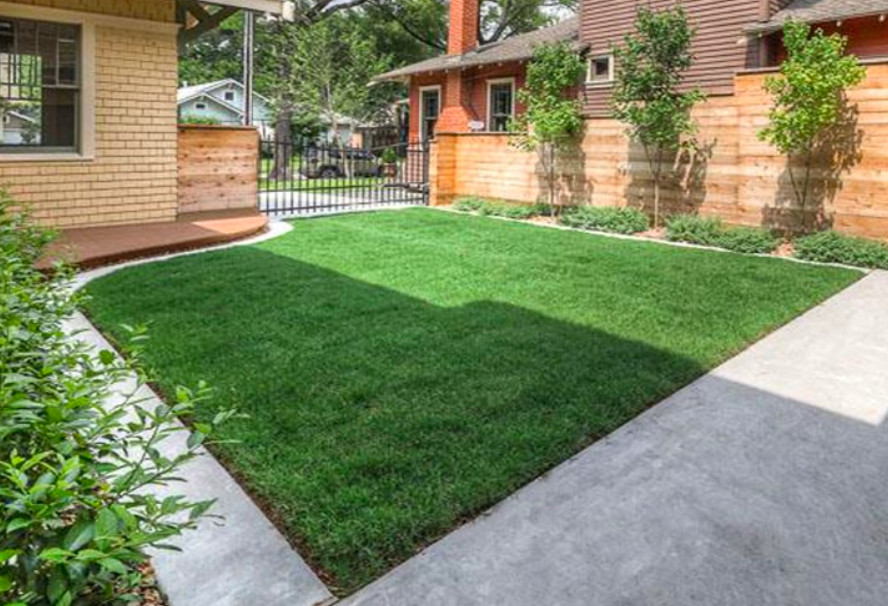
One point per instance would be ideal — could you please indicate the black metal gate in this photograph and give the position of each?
(310, 178)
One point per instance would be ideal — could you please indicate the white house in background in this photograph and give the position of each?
(223, 103)
(15, 127)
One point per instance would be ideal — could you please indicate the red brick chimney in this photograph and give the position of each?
(463, 34)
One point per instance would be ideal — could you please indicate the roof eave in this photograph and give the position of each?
(770, 27)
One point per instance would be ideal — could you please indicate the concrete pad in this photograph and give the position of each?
(763, 483)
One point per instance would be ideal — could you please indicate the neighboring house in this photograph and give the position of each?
(223, 103)
(472, 87)
(102, 75)
(18, 129)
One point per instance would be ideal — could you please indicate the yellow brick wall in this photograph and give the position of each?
(132, 178)
(153, 10)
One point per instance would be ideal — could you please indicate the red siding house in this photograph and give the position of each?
(472, 88)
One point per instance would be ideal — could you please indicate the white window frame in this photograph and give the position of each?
(611, 71)
(490, 83)
(88, 22)
(422, 89)
(228, 93)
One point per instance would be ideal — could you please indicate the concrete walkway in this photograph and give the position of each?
(763, 483)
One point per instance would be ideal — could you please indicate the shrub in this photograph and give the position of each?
(199, 120)
(694, 229)
(833, 247)
(750, 240)
(620, 220)
(497, 209)
(468, 203)
(77, 470)
(711, 231)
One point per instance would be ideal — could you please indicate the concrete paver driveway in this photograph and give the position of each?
(765, 482)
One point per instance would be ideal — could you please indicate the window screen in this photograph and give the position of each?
(39, 85)
(500, 106)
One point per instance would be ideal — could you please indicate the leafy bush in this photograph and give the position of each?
(498, 209)
(620, 220)
(695, 230)
(468, 203)
(711, 231)
(77, 470)
(833, 247)
(750, 240)
(198, 120)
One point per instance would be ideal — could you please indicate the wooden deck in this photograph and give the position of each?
(91, 247)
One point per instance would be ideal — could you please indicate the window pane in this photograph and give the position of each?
(600, 69)
(500, 106)
(39, 80)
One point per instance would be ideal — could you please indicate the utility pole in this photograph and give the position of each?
(249, 36)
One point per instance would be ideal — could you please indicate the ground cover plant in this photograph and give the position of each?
(405, 370)
(494, 208)
(78, 504)
(620, 220)
(833, 247)
(712, 231)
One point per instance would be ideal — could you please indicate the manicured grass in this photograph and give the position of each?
(405, 370)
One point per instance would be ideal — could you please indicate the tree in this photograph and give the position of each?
(426, 20)
(552, 118)
(327, 67)
(809, 100)
(216, 55)
(649, 95)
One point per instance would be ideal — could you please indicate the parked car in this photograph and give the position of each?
(335, 162)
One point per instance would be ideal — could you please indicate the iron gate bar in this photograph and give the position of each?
(309, 178)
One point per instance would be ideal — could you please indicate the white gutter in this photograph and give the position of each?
(283, 8)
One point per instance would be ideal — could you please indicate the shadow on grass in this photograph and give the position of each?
(379, 421)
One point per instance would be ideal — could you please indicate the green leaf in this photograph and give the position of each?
(106, 524)
(88, 555)
(55, 554)
(7, 554)
(106, 357)
(115, 566)
(79, 535)
(17, 524)
(196, 439)
(5, 583)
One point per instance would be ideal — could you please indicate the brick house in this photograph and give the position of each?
(735, 177)
(100, 79)
(472, 87)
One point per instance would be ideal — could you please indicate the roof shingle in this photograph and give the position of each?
(516, 48)
(814, 11)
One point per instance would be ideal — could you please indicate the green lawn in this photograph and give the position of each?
(405, 370)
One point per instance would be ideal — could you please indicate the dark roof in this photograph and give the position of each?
(815, 11)
(516, 48)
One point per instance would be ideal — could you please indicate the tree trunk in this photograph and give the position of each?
(282, 168)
